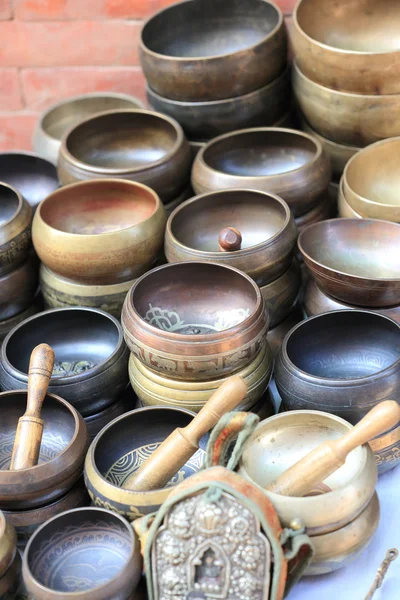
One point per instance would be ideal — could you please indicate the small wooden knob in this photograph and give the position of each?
(229, 239)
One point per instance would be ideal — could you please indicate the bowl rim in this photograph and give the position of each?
(146, 50)
(87, 167)
(20, 205)
(71, 379)
(342, 199)
(75, 287)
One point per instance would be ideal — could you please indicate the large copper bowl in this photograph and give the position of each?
(352, 45)
(15, 229)
(354, 260)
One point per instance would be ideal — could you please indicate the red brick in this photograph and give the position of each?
(25, 44)
(43, 87)
(47, 10)
(5, 10)
(10, 94)
(16, 130)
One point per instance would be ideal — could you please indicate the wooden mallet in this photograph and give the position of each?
(229, 239)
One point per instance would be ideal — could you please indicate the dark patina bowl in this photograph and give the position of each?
(91, 358)
(8, 324)
(125, 403)
(18, 288)
(15, 228)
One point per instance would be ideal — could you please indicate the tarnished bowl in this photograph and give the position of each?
(15, 228)
(121, 447)
(344, 208)
(196, 52)
(8, 324)
(8, 543)
(280, 295)
(287, 162)
(354, 260)
(194, 320)
(276, 335)
(139, 145)
(125, 403)
(18, 288)
(324, 210)
(352, 46)
(91, 357)
(264, 220)
(59, 118)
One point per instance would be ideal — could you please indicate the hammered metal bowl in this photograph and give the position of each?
(15, 229)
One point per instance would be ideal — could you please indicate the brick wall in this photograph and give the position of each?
(52, 49)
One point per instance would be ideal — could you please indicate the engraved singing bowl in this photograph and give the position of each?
(91, 358)
(83, 554)
(62, 453)
(281, 295)
(127, 401)
(352, 46)
(264, 220)
(343, 362)
(59, 118)
(8, 324)
(194, 52)
(354, 260)
(8, 543)
(276, 335)
(122, 446)
(371, 181)
(18, 288)
(344, 117)
(33, 176)
(286, 162)
(15, 228)
(138, 145)
(322, 211)
(195, 320)
(344, 209)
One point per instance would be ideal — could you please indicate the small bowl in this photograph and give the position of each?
(83, 554)
(344, 208)
(59, 118)
(8, 324)
(276, 335)
(286, 162)
(91, 358)
(354, 260)
(8, 543)
(324, 210)
(195, 320)
(62, 453)
(125, 403)
(18, 288)
(33, 176)
(121, 447)
(139, 145)
(281, 295)
(195, 52)
(15, 228)
(264, 220)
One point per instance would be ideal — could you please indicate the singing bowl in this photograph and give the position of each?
(267, 226)
(213, 50)
(371, 181)
(139, 145)
(18, 288)
(280, 295)
(354, 46)
(354, 260)
(122, 446)
(91, 358)
(201, 120)
(343, 117)
(195, 320)
(276, 335)
(10, 582)
(126, 402)
(8, 324)
(85, 553)
(322, 211)
(8, 543)
(33, 176)
(282, 440)
(171, 206)
(344, 209)
(62, 453)
(59, 118)
(15, 228)
(287, 162)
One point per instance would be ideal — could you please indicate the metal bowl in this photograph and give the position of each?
(8, 543)
(354, 260)
(344, 208)
(8, 324)
(324, 210)
(287, 162)
(281, 295)
(194, 52)
(125, 403)
(10, 582)
(15, 228)
(264, 220)
(276, 335)
(139, 145)
(59, 118)
(18, 288)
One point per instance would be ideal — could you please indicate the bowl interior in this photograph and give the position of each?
(357, 247)
(59, 427)
(209, 28)
(345, 345)
(122, 140)
(97, 207)
(80, 550)
(194, 298)
(34, 177)
(81, 339)
(259, 217)
(258, 153)
(362, 26)
(9, 203)
(131, 439)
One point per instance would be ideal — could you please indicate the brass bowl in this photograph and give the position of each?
(371, 181)
(344, 117)
(8, 324)
(354, 260)
(59, 118)
(324, 210)
(11, 580)
(194, 52)
(281, 295)
(264, 220)
(121, 447)
(100, 232)
(18, 288)
(194, 320)
(8, 543)
(286, 162)
(344, 208)
(276, 335)
(15, 228)
(353, 46)
(139, 145)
